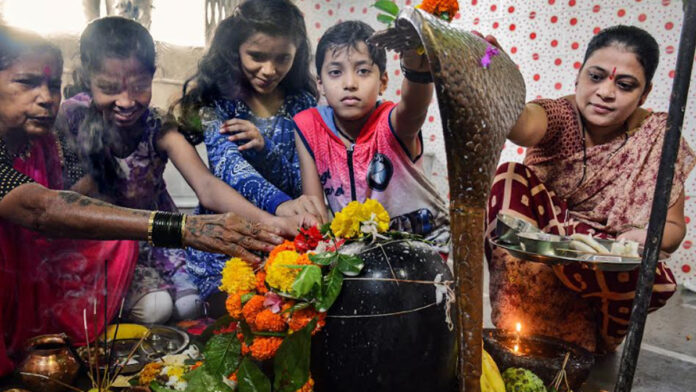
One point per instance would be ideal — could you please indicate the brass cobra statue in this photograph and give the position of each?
(478, 107)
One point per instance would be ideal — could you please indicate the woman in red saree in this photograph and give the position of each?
(590, 168)
(47, 283)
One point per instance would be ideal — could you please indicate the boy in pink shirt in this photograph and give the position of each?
(358, 147)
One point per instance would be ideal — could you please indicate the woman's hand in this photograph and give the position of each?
(303, 205)
(244, 130)
(290, 225)
(637, 235)
(230, 234)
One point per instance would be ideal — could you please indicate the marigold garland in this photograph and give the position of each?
(300, 318)
(266, 320)
(265, 347)
(237, 276)
(252, 308)
(233, 304)
(261, 282)
(150, 373)
(347, 223)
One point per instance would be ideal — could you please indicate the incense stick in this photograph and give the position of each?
(89, 350)
(130, 355)
(113, 339)
(106, 318)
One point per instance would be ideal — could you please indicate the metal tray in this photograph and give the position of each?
(595, 261)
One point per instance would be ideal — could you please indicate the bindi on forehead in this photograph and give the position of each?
(613, 74)
(47, 71)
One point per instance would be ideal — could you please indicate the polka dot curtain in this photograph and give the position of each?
(547, 39)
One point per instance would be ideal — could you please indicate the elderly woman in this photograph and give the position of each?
(46, 283)
(590, 169)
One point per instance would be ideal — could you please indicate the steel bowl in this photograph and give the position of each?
(543, 243)
(508, 227)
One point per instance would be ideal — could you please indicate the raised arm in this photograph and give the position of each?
(530, 127)
(416, 93)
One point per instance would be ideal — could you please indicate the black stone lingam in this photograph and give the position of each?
(385, 332)
(543, 355)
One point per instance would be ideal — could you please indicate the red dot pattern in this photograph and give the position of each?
(547, 40)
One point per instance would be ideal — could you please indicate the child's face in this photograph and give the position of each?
(30, 93)
(351, 81)
(122, 90)
(266, 60)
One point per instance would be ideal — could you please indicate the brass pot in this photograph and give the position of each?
(50, 356)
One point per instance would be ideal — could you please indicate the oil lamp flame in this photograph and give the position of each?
(518, 327)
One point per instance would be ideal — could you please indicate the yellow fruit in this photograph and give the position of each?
(126, 331)
(492, 376)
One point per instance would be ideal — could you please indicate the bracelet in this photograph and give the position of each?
(166, 229)
(149, 227)
(423, 77)
(183, 227)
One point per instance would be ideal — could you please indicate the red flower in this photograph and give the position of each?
(307, 239)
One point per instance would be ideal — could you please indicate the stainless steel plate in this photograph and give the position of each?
(596, 261)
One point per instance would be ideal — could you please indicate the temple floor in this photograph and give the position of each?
(667, 361)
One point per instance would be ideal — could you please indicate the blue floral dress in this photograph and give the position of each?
(266, 178)
(139, 184)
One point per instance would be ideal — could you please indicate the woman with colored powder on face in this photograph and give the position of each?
(47, 282)
(590, 168)
(125, 145)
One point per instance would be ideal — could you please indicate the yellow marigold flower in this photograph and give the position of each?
(150, 372)
(252, 308)
(286, 245)
(265, 347)
(279, 275)
(266, 320)
(234, 304)
(308, 386)
(372, 206)
(237, 276)
(346, 223)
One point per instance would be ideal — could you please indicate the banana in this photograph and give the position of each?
(490, 375)
(125, 331)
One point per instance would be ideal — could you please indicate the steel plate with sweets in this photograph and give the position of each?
(527, 243)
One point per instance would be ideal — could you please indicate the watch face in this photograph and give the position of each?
(379, 172)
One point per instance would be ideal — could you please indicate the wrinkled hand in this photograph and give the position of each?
(304, 205)
(243, 130)
(230, 234)
(637, 235)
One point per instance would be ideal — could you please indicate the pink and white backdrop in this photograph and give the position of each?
(547, 39)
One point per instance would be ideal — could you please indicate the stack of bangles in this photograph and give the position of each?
(423, 77)
(166, 229)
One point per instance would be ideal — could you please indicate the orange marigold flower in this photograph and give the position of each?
(233, 376)
(266, 320)
(299, 319)
(252, 308)
(150, 372)
(196, 365)
(286, 245)
(234, 304)
(261, 282)
(265, 347)
(308, 386)
(440, 7)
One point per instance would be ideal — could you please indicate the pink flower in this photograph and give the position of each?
(491, 51)
(272, 301)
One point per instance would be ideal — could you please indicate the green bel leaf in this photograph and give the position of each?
(387, 6)
(155, 387)
(291, 363)
(384, 18)
(251, 379)
(333, 282)
(306, 280)
(325, 228)
(349, 265)
(222, 354)
(325, 258)
(200, 380)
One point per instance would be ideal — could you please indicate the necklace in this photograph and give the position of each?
(350, 139)
(584, 150)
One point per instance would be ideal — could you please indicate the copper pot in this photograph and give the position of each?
(50, 356)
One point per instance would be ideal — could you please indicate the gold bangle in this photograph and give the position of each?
(183, 228)
(150, 223)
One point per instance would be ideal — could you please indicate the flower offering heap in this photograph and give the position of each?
(274, 310)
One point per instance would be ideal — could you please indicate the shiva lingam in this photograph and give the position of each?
(543, 355)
